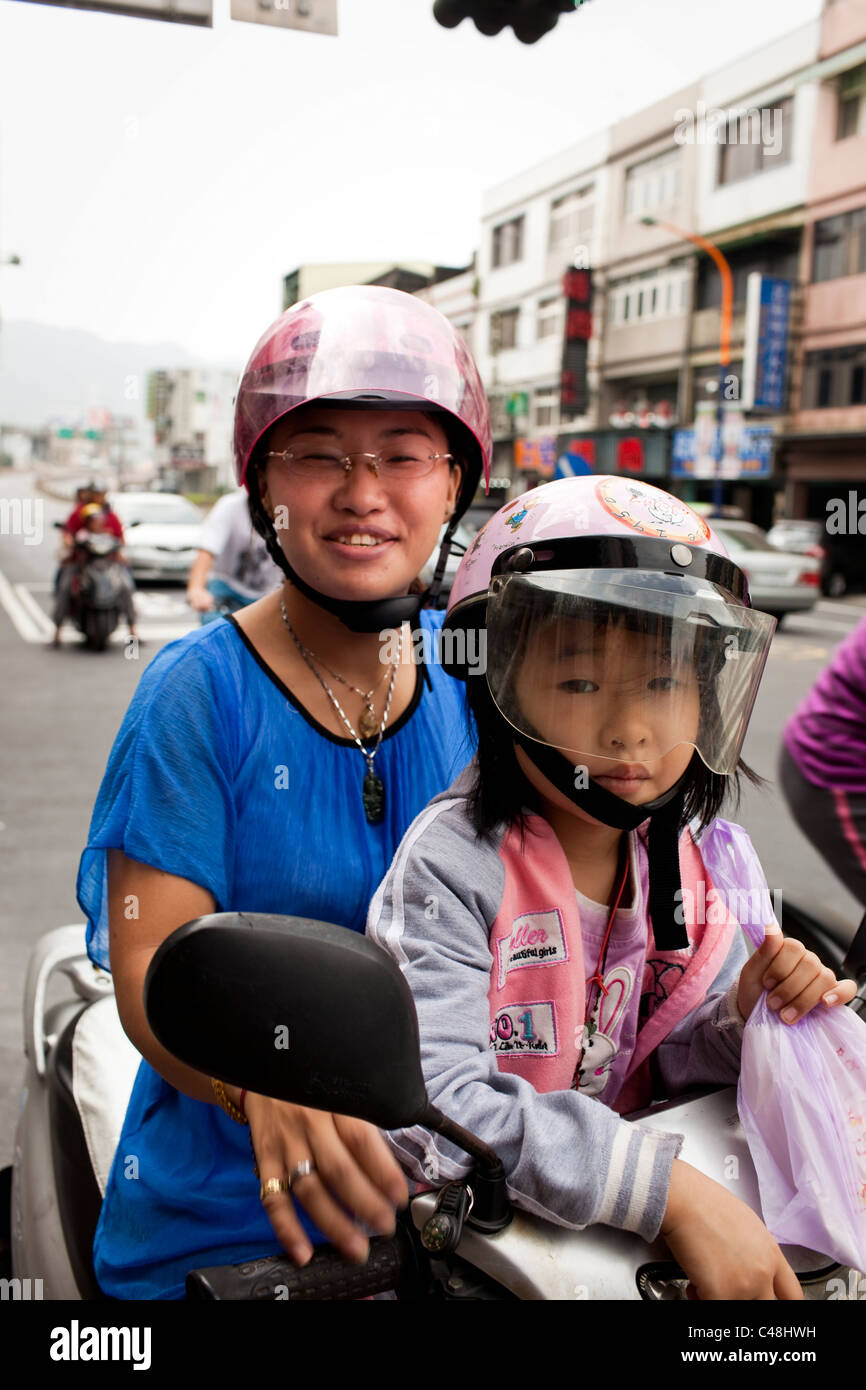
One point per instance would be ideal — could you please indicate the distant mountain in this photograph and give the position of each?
(47, 372)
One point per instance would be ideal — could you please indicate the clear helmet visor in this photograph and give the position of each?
(622, 667)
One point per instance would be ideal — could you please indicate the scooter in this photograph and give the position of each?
(463, 1242)
(98, 588)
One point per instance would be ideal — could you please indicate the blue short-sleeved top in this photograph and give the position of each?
(219, 776)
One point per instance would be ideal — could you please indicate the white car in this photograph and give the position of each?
(780, 582)
(160, 532)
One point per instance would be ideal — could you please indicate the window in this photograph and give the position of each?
(571, 218)
(840, 246)
(508, 242)
(775, 256)
(851, 103)
(549, 318)
(654, 183)
(503, 330)
(655, 294)
(835, 377)
(545, 406)
(755, 139)
(500, 420)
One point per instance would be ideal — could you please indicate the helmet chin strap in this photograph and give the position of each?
(664, 815)
(368, 615)
(363, 615)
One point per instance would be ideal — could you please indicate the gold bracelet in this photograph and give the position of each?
(232, 1111)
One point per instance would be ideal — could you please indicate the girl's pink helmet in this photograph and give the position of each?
(366, 345)
(573, 507)
(597, 552)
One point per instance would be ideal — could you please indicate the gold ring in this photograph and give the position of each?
(273, 1185)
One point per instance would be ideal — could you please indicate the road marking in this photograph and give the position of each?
(39, 616)
(35, 626)
(852, 609)
(18, 613)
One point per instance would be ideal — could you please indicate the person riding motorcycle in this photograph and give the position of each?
(272, 761)
(233, 567)
(548, 910)
(88, 520)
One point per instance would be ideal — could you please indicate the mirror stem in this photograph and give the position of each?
(491, 1211)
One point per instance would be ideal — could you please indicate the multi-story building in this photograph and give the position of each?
(741, 157)
(455, 294)
(824, 447)
(192, 410)
(410, 276)
(534, 227)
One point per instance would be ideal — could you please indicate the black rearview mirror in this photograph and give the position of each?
(301, 1010)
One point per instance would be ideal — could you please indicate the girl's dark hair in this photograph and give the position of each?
(502, 794)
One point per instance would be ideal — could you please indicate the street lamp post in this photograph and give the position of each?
(724, 339)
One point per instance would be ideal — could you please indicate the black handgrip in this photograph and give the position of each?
(392, 1264)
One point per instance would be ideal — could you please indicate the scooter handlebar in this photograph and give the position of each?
(393, 1263)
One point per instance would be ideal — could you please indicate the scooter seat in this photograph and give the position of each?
(90, 1076)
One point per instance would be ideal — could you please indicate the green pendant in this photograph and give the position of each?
(373, 796)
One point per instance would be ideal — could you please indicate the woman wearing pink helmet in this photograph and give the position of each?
(272, 762)
(579, 951)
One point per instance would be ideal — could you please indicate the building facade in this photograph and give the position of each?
(765, 159)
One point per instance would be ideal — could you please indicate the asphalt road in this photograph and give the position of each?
(61, 710)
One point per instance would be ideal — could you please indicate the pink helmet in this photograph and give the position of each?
(582, 556)
(587, 506)
(368, 345)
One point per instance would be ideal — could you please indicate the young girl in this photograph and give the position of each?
(554, 916)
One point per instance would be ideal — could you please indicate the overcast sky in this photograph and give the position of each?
(158, 180)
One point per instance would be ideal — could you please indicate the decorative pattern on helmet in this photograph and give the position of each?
(650, 511)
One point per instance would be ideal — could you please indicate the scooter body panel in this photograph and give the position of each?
(535, 1259)
(38, 1244)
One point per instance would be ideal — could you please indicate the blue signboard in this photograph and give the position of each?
(683, 454)
(772, 348)
(754, 454)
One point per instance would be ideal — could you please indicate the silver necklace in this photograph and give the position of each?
(373, 791)
(368, 724)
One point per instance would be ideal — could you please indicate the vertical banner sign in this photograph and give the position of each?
(574, 387)
(768, 302)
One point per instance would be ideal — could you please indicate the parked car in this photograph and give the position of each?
(160, 533)
(842, 558)
(780, 582)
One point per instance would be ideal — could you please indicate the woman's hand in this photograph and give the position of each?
(796, 977)
(724, 1248)
(354, 1170)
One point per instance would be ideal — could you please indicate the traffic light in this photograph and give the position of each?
(530, 19)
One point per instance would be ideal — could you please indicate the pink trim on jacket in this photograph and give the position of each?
(537, 951)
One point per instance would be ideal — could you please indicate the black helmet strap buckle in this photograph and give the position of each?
(665, 816)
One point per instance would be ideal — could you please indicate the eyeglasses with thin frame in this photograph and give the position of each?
(400, 463)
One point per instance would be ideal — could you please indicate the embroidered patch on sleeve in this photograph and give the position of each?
(536, 938)
(525, 1028)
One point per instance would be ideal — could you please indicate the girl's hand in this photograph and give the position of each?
(355, 1173)
(724, 1248)
(795, 976)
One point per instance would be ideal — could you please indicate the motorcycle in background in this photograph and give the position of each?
(99, 587)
